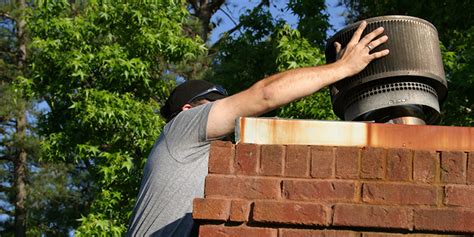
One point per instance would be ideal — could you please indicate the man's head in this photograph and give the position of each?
(190, 94)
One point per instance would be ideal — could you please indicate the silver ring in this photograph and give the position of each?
(369, 47)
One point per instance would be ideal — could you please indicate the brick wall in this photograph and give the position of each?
(298, 190)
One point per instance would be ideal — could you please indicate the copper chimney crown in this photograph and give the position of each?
(406, 86)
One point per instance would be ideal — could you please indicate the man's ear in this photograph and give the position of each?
(186, 107)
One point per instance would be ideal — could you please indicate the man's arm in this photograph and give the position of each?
(282, 88)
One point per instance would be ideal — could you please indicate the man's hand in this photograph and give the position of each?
(356, 55)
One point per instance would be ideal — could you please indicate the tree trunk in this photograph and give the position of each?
(204, 10)
(20, 175)
(21, 125)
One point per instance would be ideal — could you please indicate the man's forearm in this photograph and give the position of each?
(284, 87)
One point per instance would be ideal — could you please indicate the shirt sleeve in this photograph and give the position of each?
(186, 134)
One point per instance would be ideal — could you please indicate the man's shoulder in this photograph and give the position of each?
(189, 125)
(192, 114)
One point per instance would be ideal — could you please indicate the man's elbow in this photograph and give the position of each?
(264, 97)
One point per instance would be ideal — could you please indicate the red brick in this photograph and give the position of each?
(387, 235)
(453, 167)
(211, 209)
(239, 231)
(470, 168)
(403, 194)
(372, 163)
(297, 161)
(459, 195)
(221, 157)
(319, 190)
(399, 163)
(317, 233)
(271, 160)
(246, 158)
(372, 216)
(290, 213)
(425, 166)
(242, 187)
(347, 162)
(446, 220)
(322, 162)
(239, 210)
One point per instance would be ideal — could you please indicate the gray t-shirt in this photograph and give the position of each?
(173, 176)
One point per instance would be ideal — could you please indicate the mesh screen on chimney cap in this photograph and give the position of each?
(407, 86)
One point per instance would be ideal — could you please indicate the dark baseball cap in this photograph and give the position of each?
(189, 91)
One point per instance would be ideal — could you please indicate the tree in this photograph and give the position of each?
(296, 51)
(454, 22)
(27, 194)
(15, 100)
(204, 10)
(97, 65)
(266, 44)
(98, 68)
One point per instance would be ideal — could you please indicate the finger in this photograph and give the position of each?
(337, 45)
(377, 42)
(358, 33)
(370, 36)
(380, 54)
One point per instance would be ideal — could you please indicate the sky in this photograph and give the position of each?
(231, 12)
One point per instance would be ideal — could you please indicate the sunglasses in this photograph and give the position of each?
(217, 88)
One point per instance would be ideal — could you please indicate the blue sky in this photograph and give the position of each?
(237, 7)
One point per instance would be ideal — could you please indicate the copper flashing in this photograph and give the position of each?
(360, 134)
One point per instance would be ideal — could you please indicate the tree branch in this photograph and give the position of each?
(5, 142)
(216, 5)
(5, 49)
(3, 210)
(229, 16)
(87, 163)
(9, 122)
(236, 27)
(194, 5)
(7, 158)
(5, 189)
(204, 10)
(225, 35)
(6, 15)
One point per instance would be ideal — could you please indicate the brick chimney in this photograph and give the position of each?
(386, 180)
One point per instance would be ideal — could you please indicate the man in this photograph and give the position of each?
(199, 112)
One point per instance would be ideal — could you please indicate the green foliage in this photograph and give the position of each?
(100, 225)
(313, 20)
(459, 64)
(55, 196)
(453, 20)
(97, 69)
(118, 47)
(244, 59)
(266, 46)
(295, 51)
(446, 16)
(17, 135)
